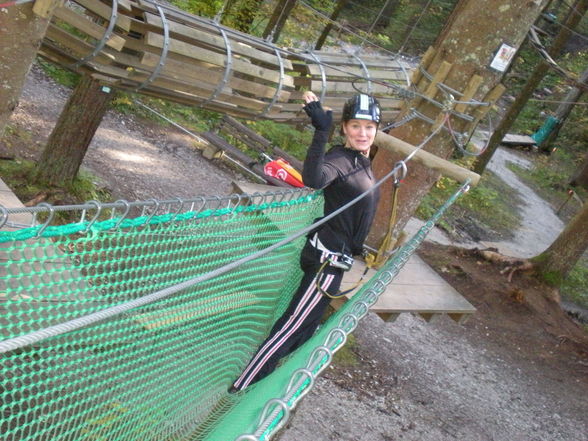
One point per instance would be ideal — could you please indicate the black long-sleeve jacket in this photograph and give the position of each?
(343, 174)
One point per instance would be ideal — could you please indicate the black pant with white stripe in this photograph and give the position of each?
(299, 321)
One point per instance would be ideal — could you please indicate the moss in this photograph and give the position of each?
(346, 356)
(18, 176)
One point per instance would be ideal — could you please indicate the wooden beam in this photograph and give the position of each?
(45, 8)
(188, 50)
(177, 70)
(88, 27)
(426, 59)
(77, 46)
(469, 92)
(200, 37)
(122, 21)
(427, 159)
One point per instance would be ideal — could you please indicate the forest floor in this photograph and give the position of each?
(517, 370)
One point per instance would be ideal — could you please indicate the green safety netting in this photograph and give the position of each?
(159, 370)
(152, 372)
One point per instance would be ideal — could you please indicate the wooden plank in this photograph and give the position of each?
(425, 62)
(427, 159)
(292, 117)
(511, 139)
(189, 33)
(469, 92)
(88, 27)
(203, 91)
(439, 77)
(177, 70)
(491, 98)
(246, 132)
(349, 60)
(187, 50)
(77, 46)
(105, 80)
(348, 87)
(479, 113)
(125, 5)
(222, 144)
(190, 100)
(337, 102)
(54, 54)
(122, 21)
(45, 8)
(354, 72)
(205, 24)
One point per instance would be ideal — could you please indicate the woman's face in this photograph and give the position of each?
(360, 134)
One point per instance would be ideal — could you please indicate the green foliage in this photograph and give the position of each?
(60, 75)
(346, 357)
(286, 137)
(575, 286)
(490, 203)
(193, 118)
(18, 174)
(203, 8)
(409, 22)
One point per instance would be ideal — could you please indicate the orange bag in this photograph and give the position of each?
(282, 170)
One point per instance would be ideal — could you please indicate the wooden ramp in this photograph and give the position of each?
(417, 289)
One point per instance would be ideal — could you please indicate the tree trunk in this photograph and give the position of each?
(574, 17)
(559, 259)
(580, 177)
(71, 137)
(241, 14)
(474, 32)
(323, 37)
(564, 110)
(388, 11)
(21, 33)
(278, 19)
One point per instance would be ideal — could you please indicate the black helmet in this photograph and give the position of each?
(362, 106)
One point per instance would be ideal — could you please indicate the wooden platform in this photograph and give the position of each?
(509, 139)
(417, 289)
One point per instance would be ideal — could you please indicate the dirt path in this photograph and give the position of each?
(540, 225)
(500, 377)
(133, 160)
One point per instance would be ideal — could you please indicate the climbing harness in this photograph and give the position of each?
(338, 260)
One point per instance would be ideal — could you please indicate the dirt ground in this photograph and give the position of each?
(516, 371)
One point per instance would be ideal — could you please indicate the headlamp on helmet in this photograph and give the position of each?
(362, 106)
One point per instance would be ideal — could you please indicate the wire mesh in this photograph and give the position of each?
(157, 372)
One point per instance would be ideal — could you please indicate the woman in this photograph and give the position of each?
(343, 173)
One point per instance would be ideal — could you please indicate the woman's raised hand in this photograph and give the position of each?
(320, 119)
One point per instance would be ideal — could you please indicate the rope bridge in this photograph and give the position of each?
(159, 369)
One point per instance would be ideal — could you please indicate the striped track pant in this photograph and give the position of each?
(299, 321)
